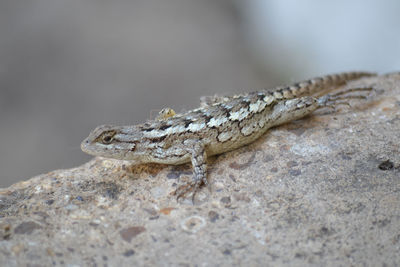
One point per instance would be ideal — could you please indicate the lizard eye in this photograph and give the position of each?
(107, 138)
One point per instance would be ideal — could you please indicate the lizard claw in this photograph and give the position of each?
(192, 186)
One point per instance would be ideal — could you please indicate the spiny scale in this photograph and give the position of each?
(214, 128)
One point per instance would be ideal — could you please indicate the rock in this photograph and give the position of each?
(323, 191)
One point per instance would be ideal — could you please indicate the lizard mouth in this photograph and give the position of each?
(94, 149)
(86, 147)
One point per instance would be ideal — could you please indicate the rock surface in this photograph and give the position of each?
(324, 190)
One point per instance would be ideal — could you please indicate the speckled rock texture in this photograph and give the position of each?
(324, 190)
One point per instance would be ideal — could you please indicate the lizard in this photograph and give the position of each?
(224, 124)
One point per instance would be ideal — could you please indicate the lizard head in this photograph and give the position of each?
(118, 142)
(141, 143)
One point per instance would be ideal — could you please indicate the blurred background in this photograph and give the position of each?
(67, 66)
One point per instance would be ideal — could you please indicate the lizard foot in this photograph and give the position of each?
(342, 97)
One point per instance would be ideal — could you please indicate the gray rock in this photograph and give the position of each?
(324, 190)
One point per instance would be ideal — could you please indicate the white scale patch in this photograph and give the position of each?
(175, 129)
(222, 137)
(217, 121)
(262, 121)
(278, 95)
(154, 134)
(194, 127)
(258, 106)
(239, 115)
(268, 99)
(254, 107)
(227, 106)
(159, 133)
(249, 129)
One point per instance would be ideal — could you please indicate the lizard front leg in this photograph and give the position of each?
(199, 164)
